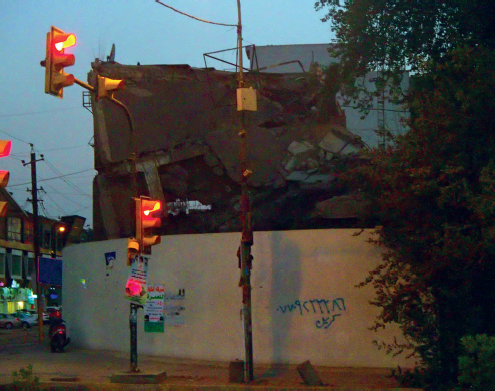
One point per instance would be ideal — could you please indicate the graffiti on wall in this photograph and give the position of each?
(329, 310)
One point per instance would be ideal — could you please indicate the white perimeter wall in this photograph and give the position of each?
(296, 277)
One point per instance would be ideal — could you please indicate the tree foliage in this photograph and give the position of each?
(433, 189)
(391, 36)
(433, 193)
(398, 33)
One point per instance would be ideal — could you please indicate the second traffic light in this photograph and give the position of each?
(106, 87)
(5, 146)
(56, 60)
(146, 219)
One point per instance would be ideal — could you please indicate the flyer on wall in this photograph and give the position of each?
(153, 310)
(135, 288)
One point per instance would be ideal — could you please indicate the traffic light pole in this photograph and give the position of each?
(55, 80)
(36, 241)
(133, 307)
(117, 102)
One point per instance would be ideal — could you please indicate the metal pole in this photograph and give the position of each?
(247, 231)
(133, 307)
(133, 329)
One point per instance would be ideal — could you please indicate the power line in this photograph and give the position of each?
(86, 207)
(56, 171)
(37, 112)
(18, 139)
(193, 17)
(57, 205)
(50, 179)
(60, 194)
(58, 149)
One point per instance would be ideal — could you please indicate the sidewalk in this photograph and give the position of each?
(84, 369)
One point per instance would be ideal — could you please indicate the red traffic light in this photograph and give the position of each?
(145, 221)
(62, 41)
(156, 206)
(56, 61)
(5, 147)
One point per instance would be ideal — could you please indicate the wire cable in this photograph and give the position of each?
(56, 171)
(60, 194)
(193, 17)
(50, 179)
(57, 205)
(64, 148)
(37, 112)
(18, 139)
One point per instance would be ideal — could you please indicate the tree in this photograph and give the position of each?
(433, 190)
(433, 193)
(399, 33)
(392, 36)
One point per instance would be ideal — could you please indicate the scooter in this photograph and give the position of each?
(58, 335)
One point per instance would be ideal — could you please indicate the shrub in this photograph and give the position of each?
(477, 365)
(25, 379)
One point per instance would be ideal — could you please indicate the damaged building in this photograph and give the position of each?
(186, 127)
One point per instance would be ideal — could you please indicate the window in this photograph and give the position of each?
(47, 239)
(15, 264)
(2, 262)
(29, 265)
(28, 231)
(14, 229)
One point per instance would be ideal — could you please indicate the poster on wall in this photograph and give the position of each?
(153, 310)
(110, 259)
(135, 288)
(174, 308)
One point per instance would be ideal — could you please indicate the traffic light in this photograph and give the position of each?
(56, 60)
(5, 146)
(106, 87)
(146, 219)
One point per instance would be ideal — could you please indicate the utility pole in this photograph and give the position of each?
(36, 241)
(247, 229)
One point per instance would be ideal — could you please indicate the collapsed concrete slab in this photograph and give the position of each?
(187, 149)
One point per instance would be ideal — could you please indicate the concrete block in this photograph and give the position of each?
(297, 148)
(308, 374)
(291, 164)
(332, 143)
(349, 148)
(236, 372)
(297, 176)
(319, 178)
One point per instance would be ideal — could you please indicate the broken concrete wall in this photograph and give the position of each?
(187, 145)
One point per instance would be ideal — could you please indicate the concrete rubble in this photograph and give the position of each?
(186, 137)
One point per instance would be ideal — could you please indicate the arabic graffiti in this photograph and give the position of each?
(333, 308)
(326, 322)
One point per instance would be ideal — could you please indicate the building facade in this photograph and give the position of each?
(17, 263)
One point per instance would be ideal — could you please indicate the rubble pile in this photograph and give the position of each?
(186, 140)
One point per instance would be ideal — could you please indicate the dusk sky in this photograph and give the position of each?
(142, 31)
